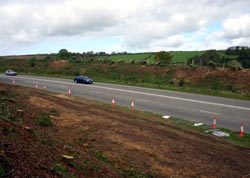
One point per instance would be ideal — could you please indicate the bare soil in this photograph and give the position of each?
(104, 141)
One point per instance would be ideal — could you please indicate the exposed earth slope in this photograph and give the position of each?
(104, 141)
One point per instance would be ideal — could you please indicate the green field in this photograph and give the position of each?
(183, 56)
(178, 57)
(223, 54)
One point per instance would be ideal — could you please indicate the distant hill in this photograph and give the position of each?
(179, 57)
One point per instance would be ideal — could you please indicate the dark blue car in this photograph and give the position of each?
(83, 79)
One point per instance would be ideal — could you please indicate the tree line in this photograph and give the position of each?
(233, 60)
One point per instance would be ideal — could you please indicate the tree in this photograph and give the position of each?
(63, 54)
(209, 58)
(244, 58)
(163, 57)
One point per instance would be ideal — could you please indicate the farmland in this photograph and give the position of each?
(178, 57)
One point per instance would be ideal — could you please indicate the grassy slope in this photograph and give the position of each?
(182, 56)
(178, 56)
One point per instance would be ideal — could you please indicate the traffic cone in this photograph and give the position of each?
(36, 86)
(241, 130)
(132, 105)
(214, 122)
(69, 92)
(113, 102)
(44, 87)
(14, 82)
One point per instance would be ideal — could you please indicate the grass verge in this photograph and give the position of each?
(233, 137)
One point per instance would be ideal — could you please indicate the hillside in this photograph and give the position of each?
(53, 135)
(178, 57)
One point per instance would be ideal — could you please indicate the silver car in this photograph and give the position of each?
(10, 72)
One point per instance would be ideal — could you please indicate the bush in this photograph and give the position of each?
(234, 65)
(2, 171)
(181, 83)
(44, 120)
(53, 110)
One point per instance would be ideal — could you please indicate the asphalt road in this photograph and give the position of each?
(199, 108)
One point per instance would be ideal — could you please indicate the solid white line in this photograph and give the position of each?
(143, 93)
(209, 112)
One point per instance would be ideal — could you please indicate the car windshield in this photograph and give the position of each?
(85, 77)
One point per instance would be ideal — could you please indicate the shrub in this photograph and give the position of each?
(181, 83)
(234, 65)
(2, 171)
(10, 116)
(45, 120)
(60, 170)
(53, 110)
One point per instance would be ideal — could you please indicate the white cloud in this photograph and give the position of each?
(142, 25)
(237, 27)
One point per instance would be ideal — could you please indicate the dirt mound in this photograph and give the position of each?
(58, 64)
(104, 141)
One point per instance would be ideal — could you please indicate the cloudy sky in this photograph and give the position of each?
(35, 26)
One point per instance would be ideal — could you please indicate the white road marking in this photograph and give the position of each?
(145, 101)
(97, 92)
(35, 82)
(62, 86)
(143, 93)
(209, 112)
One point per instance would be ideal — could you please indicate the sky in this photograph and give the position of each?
(38, 27)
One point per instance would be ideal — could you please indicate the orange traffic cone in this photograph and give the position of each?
(241, 130)
(69, 92)
(14, 82)
(214, 122)
(113, 102)
(132, 105)
(44, 87)
(36, 86)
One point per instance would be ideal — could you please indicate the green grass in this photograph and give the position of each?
(183, 56)
(60, 170)
(2, 171)
(234, 137)
(223, 54)
(132, 173)
(44, 120)
(178, 56)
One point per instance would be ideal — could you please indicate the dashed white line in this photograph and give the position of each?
(209, 112)
(145, 101)
(97, 92)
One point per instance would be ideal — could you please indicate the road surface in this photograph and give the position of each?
(199, 108)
